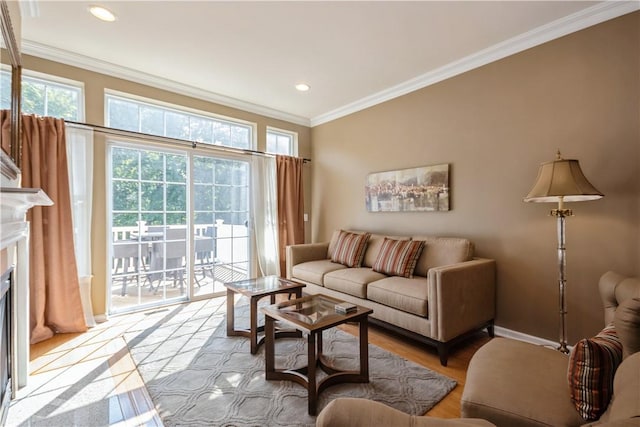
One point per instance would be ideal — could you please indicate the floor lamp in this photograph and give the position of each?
(562, 181)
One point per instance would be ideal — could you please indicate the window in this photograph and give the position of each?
(45, 95)
(156, 119)
(282, 142)
(154, 258)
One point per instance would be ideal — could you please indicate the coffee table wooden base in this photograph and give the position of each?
(254, 329)
(306, 376)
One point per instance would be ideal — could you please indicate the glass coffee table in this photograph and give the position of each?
(311, 315)
(255, 290)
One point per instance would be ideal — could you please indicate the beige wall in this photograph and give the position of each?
(94, 87)
(494, 126)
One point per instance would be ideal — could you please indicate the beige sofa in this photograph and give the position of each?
(451, 295)
(513, 383)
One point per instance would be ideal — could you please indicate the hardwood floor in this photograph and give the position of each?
(456, 368)
(131, 400)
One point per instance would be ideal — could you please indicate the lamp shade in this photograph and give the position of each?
(562, 180)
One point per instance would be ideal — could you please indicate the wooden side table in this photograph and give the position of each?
(256, 289)
(311, 315)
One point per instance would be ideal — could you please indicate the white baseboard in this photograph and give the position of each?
(508, 333)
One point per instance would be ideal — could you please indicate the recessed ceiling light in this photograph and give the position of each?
(303, 87)
(102, 13)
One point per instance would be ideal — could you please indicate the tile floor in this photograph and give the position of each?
(90, 379)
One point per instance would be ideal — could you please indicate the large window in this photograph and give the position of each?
(155, 119)
(45, 96)
(282, 142)
(161, 249)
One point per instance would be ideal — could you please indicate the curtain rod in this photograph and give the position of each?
(193, 144)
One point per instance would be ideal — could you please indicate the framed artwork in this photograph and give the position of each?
(423, 189)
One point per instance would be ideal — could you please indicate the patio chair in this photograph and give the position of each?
(126, 256)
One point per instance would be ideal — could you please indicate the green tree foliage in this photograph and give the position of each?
(152, 186)
(41, 97)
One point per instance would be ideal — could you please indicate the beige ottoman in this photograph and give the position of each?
(513, 383)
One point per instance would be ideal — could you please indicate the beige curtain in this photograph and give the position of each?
(290, 204)
(55, 303)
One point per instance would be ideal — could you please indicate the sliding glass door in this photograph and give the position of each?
(162, 250)
(221, 222)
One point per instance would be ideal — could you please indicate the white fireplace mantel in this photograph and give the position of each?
(14, 204)
(14, 243)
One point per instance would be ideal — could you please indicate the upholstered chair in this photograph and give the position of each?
(354, 412)
(513, 383)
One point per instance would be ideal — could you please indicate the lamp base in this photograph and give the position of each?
(563, 348)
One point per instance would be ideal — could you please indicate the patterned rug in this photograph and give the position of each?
(197, 376)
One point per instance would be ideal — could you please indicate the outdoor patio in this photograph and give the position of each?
(149, 265)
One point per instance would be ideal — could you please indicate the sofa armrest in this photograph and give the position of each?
(462, 297)
(297, 254)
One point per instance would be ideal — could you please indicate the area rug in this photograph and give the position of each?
(197, 376)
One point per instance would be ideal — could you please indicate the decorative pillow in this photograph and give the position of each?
(592, 365)
(350, 248)
(398, 257)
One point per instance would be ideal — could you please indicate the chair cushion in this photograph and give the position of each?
(352, 281)
(349, 249)
(405, 294)
(398, 257)
(592, 366)
(314, 271)
(627, 322)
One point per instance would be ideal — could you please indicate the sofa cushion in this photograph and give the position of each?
(439, 251)
(627, 323)
(405, 294)
(398, 257)
(592, 365)
(349, 249)
(314, 271)
(352, 281)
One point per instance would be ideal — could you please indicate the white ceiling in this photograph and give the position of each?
(251, 54)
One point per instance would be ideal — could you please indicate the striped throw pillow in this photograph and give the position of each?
(398, 257)
(592, 365)
(350, 248)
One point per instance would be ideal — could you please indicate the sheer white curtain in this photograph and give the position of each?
(80, 163)
(265, 214)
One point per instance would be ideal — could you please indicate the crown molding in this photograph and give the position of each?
(585, 18)
(593, 15)
(92, 64)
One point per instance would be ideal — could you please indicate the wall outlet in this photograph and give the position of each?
(306, 217)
